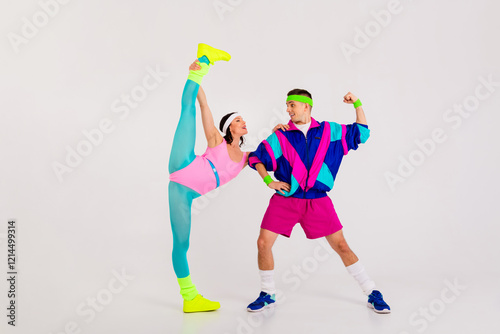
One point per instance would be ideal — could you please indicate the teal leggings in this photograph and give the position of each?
(181, 197)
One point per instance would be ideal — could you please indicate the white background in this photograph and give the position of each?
(110, 213)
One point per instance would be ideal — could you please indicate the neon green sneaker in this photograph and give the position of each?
(200, 304)
(212, 54)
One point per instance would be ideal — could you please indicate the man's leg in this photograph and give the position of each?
(280, 217)
(265, 245)
(267, 297)
(351, 261)
(339, 244)
(357, 270)
(266, 260)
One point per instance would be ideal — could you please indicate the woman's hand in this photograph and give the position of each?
(195, 66)
(283, 127)
(280, 186)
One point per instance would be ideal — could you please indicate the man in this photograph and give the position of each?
(305, 156)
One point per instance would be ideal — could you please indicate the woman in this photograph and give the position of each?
(192, 176)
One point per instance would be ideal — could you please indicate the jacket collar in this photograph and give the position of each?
(292, 126)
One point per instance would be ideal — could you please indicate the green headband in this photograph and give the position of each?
(300, 98)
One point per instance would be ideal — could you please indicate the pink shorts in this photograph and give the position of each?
(316, 216)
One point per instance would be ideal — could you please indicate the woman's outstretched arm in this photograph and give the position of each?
(213, 136)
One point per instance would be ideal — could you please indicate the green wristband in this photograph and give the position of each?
(357, 103)
(268, 179)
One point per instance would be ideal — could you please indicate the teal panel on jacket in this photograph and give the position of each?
(325, 176)
(275, 145)
(364, 133)
(336, 131)
(293, 187)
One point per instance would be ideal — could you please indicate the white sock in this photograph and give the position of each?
(267, 281)
(357, 270)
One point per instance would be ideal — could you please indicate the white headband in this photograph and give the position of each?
(228, 122)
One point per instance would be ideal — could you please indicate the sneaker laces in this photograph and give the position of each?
(377, 297)
(262, 297)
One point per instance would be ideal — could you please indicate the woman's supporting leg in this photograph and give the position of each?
(180, 200)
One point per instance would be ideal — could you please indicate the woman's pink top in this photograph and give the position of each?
(200, 177)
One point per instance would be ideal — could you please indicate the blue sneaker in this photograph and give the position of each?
(377, 303)
(264, 301)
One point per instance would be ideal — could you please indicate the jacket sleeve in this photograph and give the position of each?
(356, 134)
(265, 153)
(351, 135)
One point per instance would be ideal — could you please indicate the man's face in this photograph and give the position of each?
(298, 111)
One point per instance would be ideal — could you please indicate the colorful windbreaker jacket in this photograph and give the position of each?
(309, 164)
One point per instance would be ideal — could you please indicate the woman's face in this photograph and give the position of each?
(238, 127)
